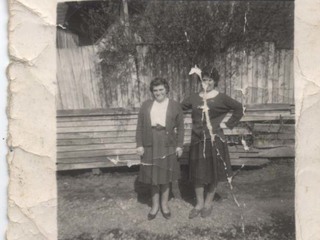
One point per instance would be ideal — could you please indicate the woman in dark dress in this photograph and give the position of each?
(209, 160)
(159, 136)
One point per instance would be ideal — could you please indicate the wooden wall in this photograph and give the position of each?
(66, 39)
(262, 76)
(79, 79)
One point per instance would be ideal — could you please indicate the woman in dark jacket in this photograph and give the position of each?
(159, 137)
(209, 160)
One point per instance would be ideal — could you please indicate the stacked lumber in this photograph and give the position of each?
(90, 138)
(88, 141)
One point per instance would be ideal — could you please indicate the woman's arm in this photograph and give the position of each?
(140, 126)
(180, 127)
(186, 104)
(237, 111)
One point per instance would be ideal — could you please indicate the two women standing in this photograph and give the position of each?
(159, 137)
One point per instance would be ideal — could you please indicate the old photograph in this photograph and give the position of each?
(175, 120)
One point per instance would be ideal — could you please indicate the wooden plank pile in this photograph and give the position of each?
(88, 138)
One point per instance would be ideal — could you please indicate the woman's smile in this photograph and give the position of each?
(159, 93)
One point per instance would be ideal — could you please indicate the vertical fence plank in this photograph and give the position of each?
(107, 85)
(130, 85)
(220, 66)
(65, 76)
(275, 83)
(239, 76)
(234, 73)
(86, 87)
(184, 80)
(228, 71)
(61, 82)
(144, 68)
(287, 75)
(114, 91)
(97, 79)
(281, 82)
(223, 74)
(244, 76)
(265, 73)
(254, 98)
(291, 79)
(77, 71)
(236, 78)
(134, 94)
(176, 79)
(270, 79)
(124, 85)
(180, 79)
(260, 75)
(250, 77)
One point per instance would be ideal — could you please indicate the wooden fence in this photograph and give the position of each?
(79, 79)
(262, 76)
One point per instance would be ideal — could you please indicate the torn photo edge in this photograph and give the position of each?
(32, 200)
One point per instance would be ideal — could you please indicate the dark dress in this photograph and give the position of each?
(159, 161)
(212, 165)
(161, 164)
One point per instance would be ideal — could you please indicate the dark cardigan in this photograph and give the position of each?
(219, 106)
(174, 125)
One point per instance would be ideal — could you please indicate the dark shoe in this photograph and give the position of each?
(152, 216)
(206, 212)
(217, 197)
(166, 215)
(194, 213)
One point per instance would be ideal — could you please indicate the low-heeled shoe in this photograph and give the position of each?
(206, 212)
(152, 216)
(194, 213)
(166, 215)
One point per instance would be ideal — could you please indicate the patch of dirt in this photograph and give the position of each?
(114, 205)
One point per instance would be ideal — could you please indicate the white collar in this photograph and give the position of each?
(164, 102)
(213, 93)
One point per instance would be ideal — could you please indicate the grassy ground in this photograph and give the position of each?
(114, 205)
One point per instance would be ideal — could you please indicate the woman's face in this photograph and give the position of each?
(159, 93)
(207, 83)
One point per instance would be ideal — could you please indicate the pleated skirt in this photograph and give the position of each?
(209, 163)
(159, 162)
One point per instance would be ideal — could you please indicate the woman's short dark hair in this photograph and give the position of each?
(211, 73)
(159, 81)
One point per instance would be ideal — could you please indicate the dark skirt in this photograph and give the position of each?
(211, 166)
(161, 164)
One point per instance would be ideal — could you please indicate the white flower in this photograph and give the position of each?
(195, 70)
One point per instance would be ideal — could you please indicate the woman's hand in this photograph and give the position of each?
(179, 151)
(140, 151)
